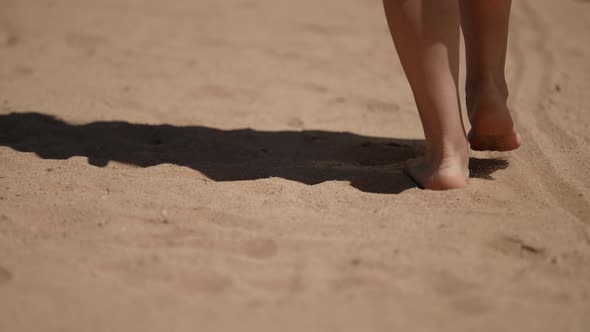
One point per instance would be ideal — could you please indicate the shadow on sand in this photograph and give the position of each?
(371, 164)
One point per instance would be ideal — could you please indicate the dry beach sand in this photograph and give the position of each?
(236, 166)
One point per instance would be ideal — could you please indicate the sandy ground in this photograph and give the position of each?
(235, 165)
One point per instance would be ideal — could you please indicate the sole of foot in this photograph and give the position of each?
(492, 128)
(443, 176)
(498, 142)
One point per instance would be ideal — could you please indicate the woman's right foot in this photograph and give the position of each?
(492, 127)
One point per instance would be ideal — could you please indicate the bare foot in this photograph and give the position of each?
(492, 127)
(448, 173)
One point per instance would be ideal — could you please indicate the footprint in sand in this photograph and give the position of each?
(86, 42)
(260, 248)
(12, 40)
(17, 72)
(295, 123)
(472, 305)
(5, 275)
(514, 246)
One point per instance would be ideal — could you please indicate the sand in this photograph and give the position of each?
(236, 166)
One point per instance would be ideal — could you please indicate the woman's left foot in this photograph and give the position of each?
(446, 173)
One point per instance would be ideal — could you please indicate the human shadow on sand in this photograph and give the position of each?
(371, 164)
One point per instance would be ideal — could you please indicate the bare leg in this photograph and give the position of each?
(485, 27)
(426, 36)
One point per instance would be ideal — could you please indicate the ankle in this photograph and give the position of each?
(453, 150)
(488, 87)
